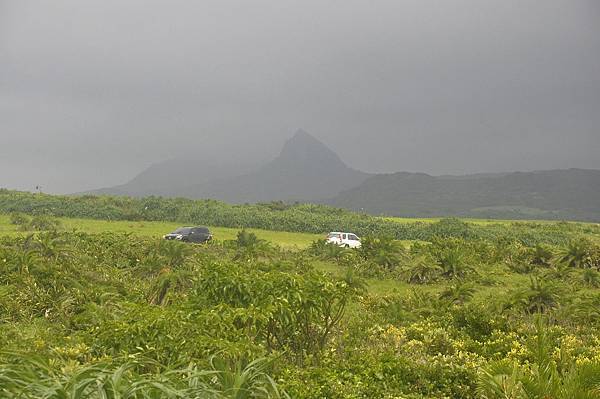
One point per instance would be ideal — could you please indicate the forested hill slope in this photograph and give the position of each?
(554, 194)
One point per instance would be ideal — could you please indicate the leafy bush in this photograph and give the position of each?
(19, 219)
(543, 377)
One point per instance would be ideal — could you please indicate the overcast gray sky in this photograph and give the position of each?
(91, 92)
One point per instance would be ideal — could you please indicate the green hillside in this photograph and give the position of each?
(572, 194)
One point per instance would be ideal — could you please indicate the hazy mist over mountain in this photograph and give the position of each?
(305, 170)
(93, 93)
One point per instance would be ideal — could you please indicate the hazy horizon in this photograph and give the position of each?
(91, 94)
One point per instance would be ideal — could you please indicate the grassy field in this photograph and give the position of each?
(158, 229)
(286, 240)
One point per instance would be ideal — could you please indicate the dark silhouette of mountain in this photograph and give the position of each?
(551, 194)
(169, 178)
(305, 170)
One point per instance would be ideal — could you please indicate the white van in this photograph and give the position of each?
(348, 240)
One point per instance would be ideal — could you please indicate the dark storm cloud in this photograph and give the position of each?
(92, 92)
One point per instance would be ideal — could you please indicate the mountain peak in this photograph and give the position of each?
(302, 137)
(302, 134)
(305, 148)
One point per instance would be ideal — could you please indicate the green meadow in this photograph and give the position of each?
(158, 229)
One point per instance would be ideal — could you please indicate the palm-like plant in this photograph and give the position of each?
(458, 294)
(171, 277)
(454, 263)
(250, 247)
(576, 254)
(539, 297)
(334, 252)
(168, 281)
(31, 377)
(23, 261)
(237, 380)
(541, 256)
(327, 251)
(174, 253)
(591, 277)
(246, 238)
(559, 271)
(421, 269)
(51, 246)
(501, 381)
(384, 251)
(585, 309)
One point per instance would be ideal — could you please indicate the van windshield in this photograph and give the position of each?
(182, 230)
(333, 235)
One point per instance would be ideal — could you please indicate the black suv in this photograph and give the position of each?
(198, 234)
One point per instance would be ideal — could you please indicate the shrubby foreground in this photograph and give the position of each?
(114, 315)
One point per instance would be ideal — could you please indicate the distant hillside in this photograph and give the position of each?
(305, 170)
(552, 194)
(170, 178)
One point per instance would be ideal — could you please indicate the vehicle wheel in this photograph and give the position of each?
(346, 246)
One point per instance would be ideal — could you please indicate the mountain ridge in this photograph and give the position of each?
(553, 194)
(306, 170)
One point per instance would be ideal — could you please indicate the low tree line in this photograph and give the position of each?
(278, 216)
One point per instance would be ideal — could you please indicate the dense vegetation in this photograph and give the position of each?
(279, 216)
(119, 316)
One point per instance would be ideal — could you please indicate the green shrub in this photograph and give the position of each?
(19, 219)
